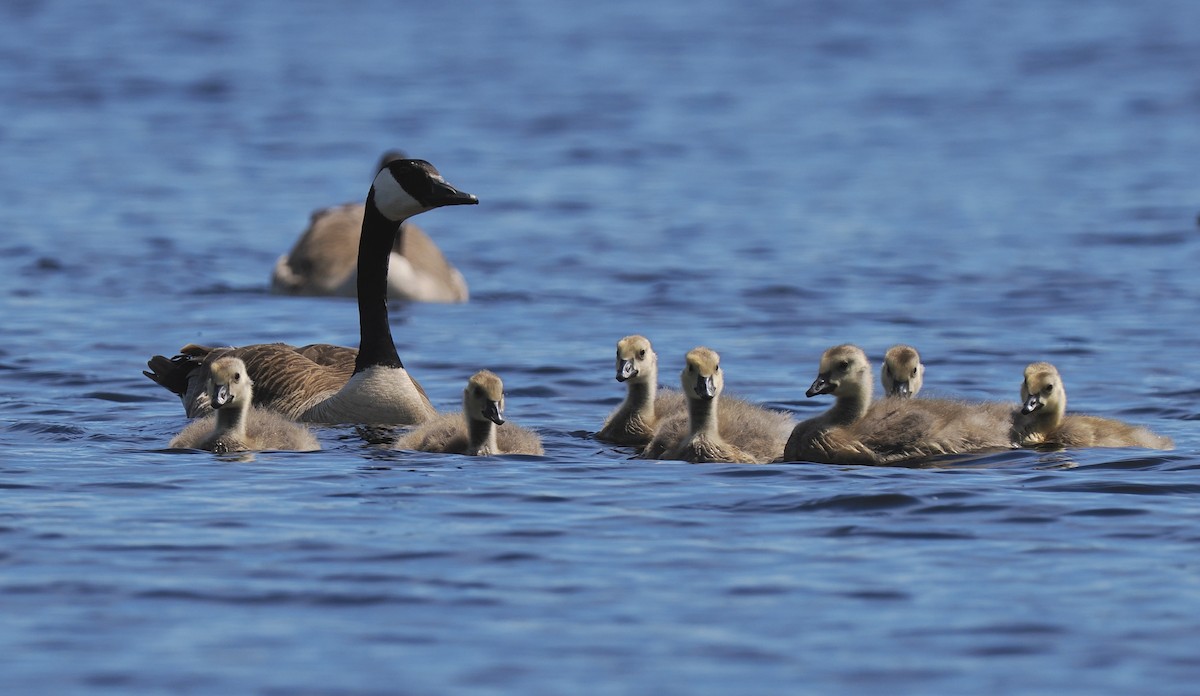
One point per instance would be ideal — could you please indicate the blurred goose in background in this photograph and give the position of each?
(321, 382)
(634, 421)
(237, 426)
(856, 431)
(747, 434)
(474, 431)
(902, 373)
(1043, 419)
(323, 260)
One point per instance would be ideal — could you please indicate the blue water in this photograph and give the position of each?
(995, 183)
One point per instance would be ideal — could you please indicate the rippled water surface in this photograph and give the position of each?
(994, 183)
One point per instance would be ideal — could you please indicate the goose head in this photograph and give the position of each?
(636, 360)
(228, 382)
(701, 378)
(483, 399)
(1042, 389)
(843, 370)
(902, 373)
(406, 187)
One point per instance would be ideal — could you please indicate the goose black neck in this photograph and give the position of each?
(375, 345)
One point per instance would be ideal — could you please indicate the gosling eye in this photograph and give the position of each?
(887, 371)
(237, 376)
(1049, 388)
(914, 372)
(844, 365)
(642, 353)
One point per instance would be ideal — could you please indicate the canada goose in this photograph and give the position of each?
(633, 422)
(856, 431)
(322, 262)
(331, 384)
(1043, 419)
(748, 435)
(236, 425)
(902, 373)
(474, 431)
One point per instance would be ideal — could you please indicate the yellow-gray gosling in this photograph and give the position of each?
(1044, 420)
(480, 430)
(747, 435)
(856, 431)
(237, 426)
(634, 421)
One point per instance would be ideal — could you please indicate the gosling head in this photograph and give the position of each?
(843, 368)
(902, 372)
(701, 377)
(636, 360)
(228, 382)
(1042, 388)
(483, 399)
(405, 187)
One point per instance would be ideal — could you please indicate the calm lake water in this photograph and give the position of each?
(993, 183)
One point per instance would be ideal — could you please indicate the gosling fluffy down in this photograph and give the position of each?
(236, 425)
(475, 431)
(1044, 421)
(635, 420)
(715, 429)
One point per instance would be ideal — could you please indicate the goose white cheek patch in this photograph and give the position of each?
(392, 200)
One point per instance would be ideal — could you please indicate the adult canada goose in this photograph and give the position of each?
(332, 384)
(322, 262)
(237, 425)
(474, 431)
(1043, 419)
(856, 431)
(749, 435)
(634, 421)
(902, 373)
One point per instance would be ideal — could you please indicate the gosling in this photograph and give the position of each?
(748, 435)
(634, 421)
(236, 425)
(856, 431)
(474, 432)
(902, 373)
(1043, 420)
